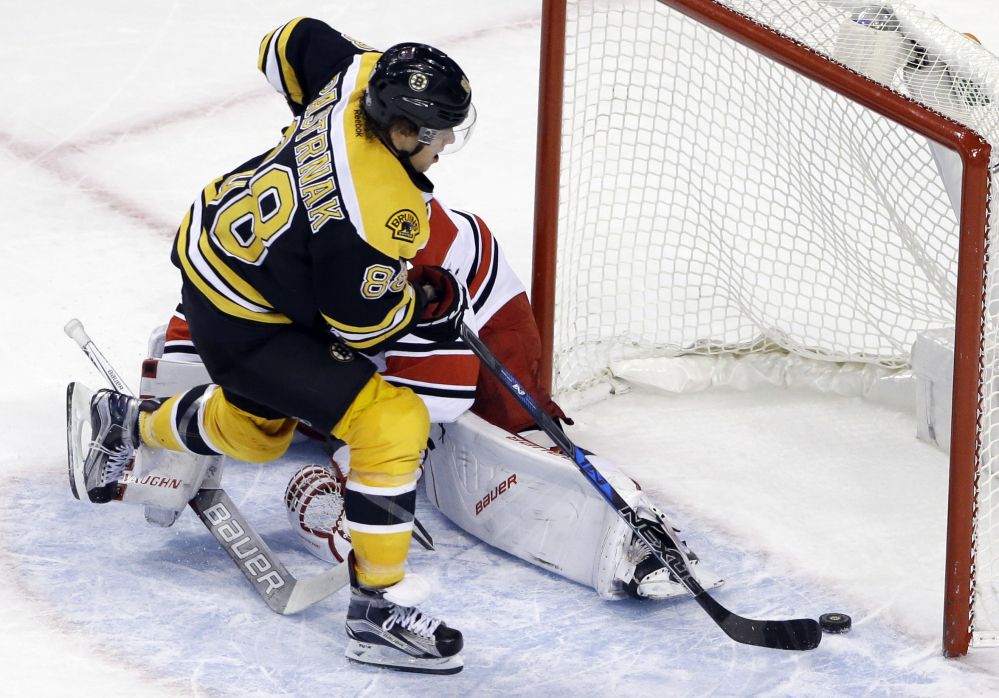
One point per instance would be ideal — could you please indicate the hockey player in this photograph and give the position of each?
(294, 262)
(586, 542)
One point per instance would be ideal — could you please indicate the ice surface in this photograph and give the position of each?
(115, 115)
(173, 600)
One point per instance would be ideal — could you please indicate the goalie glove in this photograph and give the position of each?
(444, 303)
(314, 502)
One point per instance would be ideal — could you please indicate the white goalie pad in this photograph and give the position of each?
(168, 480)
(163, 481)
(163, 378)
(529, 501)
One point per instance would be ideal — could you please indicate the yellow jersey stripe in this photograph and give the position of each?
(386, 208)
(235, 281)
(364, 342)
(212, 193)
(290, 79)
(407, 297)
(217, 299)
(262, 61)
(362, 338)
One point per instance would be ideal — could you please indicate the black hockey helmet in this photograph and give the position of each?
(425, 86)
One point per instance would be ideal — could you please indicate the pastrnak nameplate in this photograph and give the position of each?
(404, 224)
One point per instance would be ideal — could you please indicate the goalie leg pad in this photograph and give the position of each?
(531, 502)
(525, 499)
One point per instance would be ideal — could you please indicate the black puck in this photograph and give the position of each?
(835, 622)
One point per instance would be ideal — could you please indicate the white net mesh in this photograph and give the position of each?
(713, 201)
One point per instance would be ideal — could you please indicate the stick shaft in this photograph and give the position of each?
(650, 532)
(74, 328)
(797, 634)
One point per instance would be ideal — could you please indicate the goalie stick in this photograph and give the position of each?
(279, 589)
(796, 634)
(74, 328)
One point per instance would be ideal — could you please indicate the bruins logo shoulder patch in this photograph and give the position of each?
(404, 224)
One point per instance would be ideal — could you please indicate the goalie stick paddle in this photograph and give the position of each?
(279, 589)
(796, 634)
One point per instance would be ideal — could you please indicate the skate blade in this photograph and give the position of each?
(671, 590)
(387, 658)
(78, 397)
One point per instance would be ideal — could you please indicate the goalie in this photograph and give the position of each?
(488, 468)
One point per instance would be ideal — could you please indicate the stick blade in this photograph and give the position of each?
(798, 634)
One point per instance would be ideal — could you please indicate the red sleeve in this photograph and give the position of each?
(512, 335)
(177, 329)
(443, 232)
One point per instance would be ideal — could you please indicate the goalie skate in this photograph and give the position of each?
(650, 580)
(644, 577)
(99, 456)
(388, 631)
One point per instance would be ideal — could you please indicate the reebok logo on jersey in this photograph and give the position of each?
(404, 224)
(494, 495)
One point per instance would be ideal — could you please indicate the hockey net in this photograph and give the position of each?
(781, 178)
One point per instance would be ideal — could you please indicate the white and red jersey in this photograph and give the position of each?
(177, 345)
(447, 376)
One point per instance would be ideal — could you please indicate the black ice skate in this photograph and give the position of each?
(97, 459)
(387, 634)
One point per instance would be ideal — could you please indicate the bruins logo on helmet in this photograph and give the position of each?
(404, 224)
(419, 82)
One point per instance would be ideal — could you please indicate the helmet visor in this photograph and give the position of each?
(449, 140)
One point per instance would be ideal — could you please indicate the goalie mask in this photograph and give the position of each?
(426, 87)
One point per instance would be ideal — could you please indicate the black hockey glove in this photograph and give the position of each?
(445, 301)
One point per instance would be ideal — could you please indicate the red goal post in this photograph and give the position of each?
(554, 179)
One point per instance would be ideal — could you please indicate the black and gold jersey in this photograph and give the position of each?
(302, 56)
(321, 225)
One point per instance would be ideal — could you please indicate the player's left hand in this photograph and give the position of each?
(445, 303)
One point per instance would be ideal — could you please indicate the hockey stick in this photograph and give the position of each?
(279, 589)
(797, 634)
(262, 568)
(74, 328)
